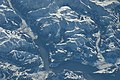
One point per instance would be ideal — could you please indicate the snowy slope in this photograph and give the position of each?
(59, 39)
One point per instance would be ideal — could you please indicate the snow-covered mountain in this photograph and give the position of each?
(59, 39)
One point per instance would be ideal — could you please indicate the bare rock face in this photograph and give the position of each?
(59, 39)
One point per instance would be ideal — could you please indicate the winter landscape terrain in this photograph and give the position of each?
(59, 39)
